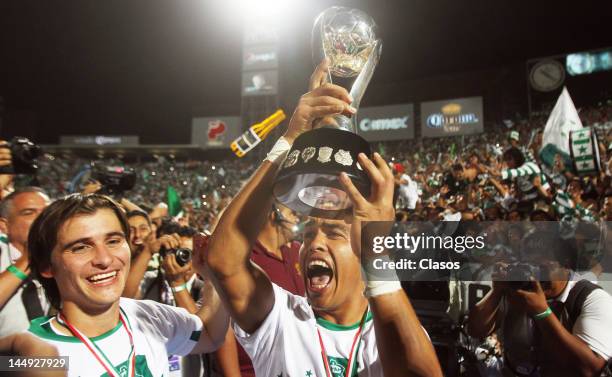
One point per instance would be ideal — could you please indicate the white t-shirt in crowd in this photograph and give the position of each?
(409, 191)
(158, 330)
(13, 316)
(594, 324)
(287, 344)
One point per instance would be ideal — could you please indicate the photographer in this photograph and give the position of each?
(550, 326)
(146, 278)
(22, 298)
(162, 271)
(5, 160)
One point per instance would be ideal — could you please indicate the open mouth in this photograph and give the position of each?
(319, 274)
(103, 279)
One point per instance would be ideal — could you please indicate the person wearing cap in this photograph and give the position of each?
(514, 139)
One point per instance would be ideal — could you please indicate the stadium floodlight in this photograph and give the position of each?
(263, 10)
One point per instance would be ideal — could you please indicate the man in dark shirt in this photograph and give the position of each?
(454, 181)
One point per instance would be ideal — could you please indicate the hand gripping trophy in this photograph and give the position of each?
(308, 179)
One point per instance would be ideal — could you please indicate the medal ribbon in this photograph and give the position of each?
(98, 353)
(352, 361)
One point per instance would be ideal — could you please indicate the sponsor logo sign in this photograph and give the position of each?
(395, 122)
(215, 132)
(99, 140)
(463, 116)
(259, 58)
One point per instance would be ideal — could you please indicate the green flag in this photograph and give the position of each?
(174, 202)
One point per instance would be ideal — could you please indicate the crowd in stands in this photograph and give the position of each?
(441, 176)
(496, 175)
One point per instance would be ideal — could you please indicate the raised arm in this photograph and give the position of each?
(243, 286)
(215, 318)
(10, 281)
(527, 168)
(403, 345)
(28, 345)
(140, 262)
(482, 319)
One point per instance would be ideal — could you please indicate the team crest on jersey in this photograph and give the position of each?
(336, 368)
(142, 368)
(338, 365)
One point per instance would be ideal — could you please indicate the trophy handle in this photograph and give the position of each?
(364, 77)
(359, 87)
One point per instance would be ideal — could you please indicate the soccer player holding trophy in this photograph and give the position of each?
(346, 326)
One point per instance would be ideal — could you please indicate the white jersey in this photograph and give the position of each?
(287, 344)
(13, 315)
(158, 330)
(409, 191)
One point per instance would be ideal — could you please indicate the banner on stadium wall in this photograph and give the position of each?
(382, 123)
(259, 83)
(215, 132)
(99, 140)
(259, 57)
(462, 116)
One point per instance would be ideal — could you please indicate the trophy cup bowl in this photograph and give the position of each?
(308, 178)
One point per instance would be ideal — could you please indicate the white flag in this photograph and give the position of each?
(563, 119)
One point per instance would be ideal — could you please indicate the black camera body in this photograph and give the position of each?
(519, 275)
(183, 255)
(24, 156)
(115, 179)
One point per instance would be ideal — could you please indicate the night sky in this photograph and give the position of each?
(146, 67)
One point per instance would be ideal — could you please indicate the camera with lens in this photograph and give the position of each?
(183, 255)
(24, 156)
(115, 179)
(519, 275)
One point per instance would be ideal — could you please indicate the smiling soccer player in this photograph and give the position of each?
(79, 250)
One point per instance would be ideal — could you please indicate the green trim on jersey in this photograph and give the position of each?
(195, 336)
(41, 327)
(336, 327)
(141, 370)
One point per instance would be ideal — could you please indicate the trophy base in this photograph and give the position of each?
(308, 180)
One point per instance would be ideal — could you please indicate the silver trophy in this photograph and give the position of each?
(308, 179)
(347, 38)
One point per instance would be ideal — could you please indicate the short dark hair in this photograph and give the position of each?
(5, 204)
(140, 213)
(515, 155)
(172, 227)
(42, 237)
